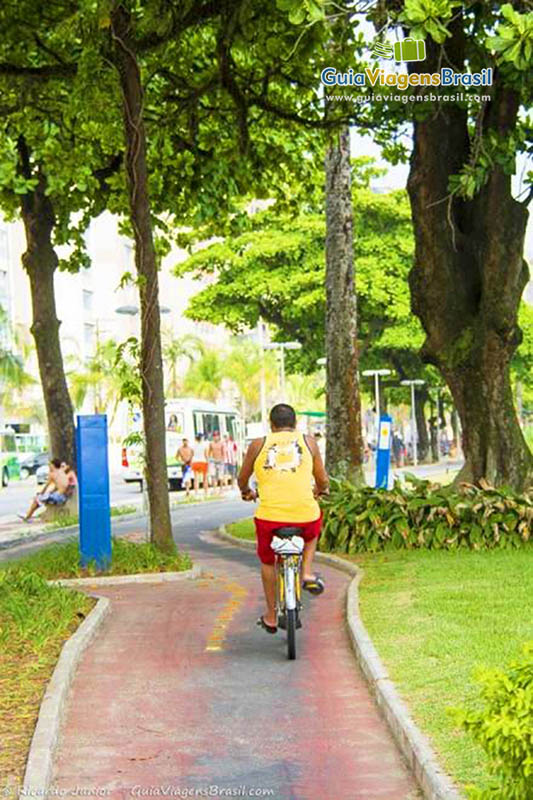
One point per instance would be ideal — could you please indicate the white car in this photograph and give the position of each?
(42, 474)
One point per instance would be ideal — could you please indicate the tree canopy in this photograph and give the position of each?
(276, 271)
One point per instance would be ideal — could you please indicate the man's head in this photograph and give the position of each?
(198, 437)
(185, 442)
(54, 464)
(216, 436)
(282, 416)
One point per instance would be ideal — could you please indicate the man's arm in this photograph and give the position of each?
(319, 471)
(247, 469)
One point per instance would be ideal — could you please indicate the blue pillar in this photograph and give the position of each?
(93, 479)
(383, 451)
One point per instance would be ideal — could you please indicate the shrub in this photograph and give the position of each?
(503, 725)
(424, 515)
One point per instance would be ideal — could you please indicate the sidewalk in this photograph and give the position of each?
(181, 691)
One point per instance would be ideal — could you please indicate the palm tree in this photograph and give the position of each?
(14, 379)
(205, 375)
(101, 376)
(243, 366)
(306, 392)
(174, 351)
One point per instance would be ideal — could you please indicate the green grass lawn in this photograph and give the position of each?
(434, 616)
(66, 520)
(35, 621)
(243, 529)
(128, 558)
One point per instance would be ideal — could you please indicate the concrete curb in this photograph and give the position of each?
(45, 737)
(142, 577)
(433, 781)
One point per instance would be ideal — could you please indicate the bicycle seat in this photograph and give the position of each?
(287, 531)
(287, 546)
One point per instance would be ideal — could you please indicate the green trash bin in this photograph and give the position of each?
(410, 50)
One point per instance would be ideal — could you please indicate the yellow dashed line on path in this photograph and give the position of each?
(215, 640)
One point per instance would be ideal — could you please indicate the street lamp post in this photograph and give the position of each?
(368, 373)
(282, 346)
(262, 385)
(414, 432)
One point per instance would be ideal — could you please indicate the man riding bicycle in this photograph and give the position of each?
(284, 462)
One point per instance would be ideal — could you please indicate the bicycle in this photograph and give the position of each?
(288, 547)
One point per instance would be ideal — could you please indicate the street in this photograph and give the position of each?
(15, 498)
(203, 516)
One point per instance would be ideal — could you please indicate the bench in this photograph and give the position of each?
(52, 513)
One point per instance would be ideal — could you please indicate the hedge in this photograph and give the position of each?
(421, 514)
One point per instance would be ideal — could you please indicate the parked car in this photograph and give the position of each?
(42, 474)
(31, 464)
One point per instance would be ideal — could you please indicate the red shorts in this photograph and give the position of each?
(264, 531)
(199, 466)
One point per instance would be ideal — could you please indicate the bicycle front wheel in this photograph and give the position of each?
(291, 634)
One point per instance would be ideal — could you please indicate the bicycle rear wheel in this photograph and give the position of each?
(291, 634)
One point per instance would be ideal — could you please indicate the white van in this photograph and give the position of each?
(185, 419)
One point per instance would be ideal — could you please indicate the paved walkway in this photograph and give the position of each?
(181, 691)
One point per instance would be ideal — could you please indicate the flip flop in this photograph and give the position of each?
(24, 519)
(268, 628)
(314, 585)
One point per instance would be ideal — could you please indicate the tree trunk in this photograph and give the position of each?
(454, 419)
(40, 262)
(421, 426)
(344, 451)
(146, 263)
(469, 274)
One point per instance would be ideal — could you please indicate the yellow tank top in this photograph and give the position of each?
(284, 474)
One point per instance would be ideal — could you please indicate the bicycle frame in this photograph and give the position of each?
(288, 596)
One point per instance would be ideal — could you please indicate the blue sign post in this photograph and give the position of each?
(383, 451)
(93, 479)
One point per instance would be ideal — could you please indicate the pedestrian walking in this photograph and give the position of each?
(230, 460)
(185, 455)
(398, 449)
(200, 465)
(215, 457)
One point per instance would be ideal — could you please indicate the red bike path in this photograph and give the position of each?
(181, 692)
